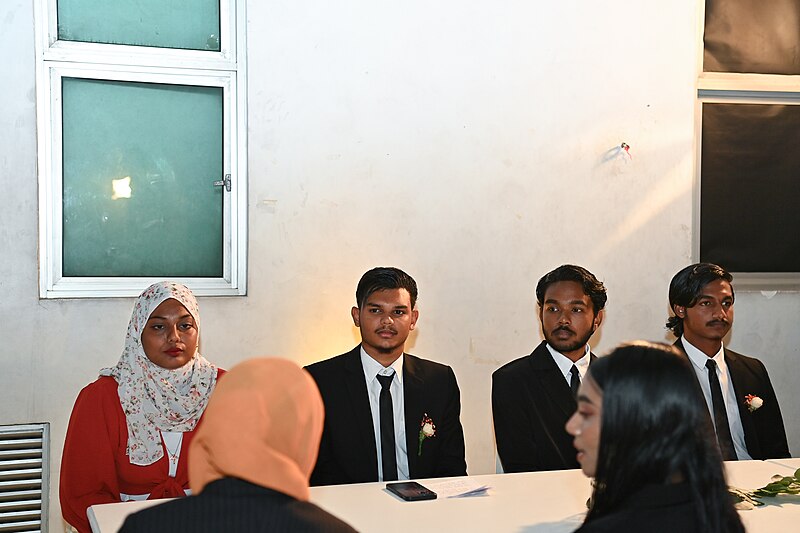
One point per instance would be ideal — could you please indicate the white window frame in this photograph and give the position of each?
(226, 69)
(738, 88)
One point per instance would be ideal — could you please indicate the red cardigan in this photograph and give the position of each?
(95, 468)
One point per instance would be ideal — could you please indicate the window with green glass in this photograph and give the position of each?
(193, 25)
(140, 162)
(142, 153)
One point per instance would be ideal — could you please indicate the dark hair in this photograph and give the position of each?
(655, 427)
(686, 287)
(592, 287)
(382, 278)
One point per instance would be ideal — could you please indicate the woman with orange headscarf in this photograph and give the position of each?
(250, 463)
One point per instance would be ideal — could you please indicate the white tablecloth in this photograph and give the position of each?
(537, 502)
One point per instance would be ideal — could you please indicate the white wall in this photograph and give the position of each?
(473, 144)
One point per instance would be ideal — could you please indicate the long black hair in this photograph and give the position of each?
(655, 429)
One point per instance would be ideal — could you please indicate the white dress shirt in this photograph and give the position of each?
(371, 369)
(698, 359)
(565, 363)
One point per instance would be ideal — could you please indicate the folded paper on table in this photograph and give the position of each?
(458, 488)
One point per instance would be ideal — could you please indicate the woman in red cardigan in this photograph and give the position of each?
(129, 430)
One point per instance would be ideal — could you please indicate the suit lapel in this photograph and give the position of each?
(552, 381)
(412, 397)
(364, 444)
(679, 345)
(737, 373)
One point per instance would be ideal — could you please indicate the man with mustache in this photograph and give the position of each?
(737, 388)
(388, 415)
(534, 396)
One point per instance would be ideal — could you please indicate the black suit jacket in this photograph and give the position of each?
(234, 506)
(764, 433)
(347, 453)
(531, 403)
(655, 509)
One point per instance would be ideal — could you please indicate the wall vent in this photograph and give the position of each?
(24, 475)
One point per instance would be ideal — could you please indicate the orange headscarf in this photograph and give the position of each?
(263, 424)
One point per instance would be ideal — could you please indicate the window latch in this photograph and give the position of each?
(226, 182)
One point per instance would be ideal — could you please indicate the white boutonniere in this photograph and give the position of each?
(753, 402)
(427, 430)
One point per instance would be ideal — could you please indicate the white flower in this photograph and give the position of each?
(427, 429)
(753, 402)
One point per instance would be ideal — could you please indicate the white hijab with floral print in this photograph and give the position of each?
(156, 399)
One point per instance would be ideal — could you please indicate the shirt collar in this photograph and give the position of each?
(372, 368)
(565, 363)
(698, 358)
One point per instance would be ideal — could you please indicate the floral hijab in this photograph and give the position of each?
(157, 399)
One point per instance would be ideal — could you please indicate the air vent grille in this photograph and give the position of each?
(24, 473)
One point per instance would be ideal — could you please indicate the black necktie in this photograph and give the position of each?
(574, 380)
(388, 459)
(720, 414)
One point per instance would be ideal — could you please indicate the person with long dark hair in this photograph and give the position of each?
(642, 430)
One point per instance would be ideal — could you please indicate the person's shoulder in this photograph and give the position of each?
(426, 368)
(597, 526)
(747, 360)
(513, 368)
(310, 517)
(524, 365)
(631, 520)
(96, 401)
(103, 386)
(426, 363)
(606, 524)
(332, 364)
(661, 520)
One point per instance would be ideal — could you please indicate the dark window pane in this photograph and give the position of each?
(749, 187)
(753, 36)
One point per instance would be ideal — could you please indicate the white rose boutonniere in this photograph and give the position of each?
(427, 430)
(753, 402)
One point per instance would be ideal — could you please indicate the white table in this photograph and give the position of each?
(533, 502)
(793, 463)
(779, 514)
(538, 502)
(109, 517)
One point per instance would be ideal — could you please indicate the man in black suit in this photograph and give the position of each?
(379, 398)
(739, 394)
(534, 396)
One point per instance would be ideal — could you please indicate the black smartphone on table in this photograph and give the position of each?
(411, 491)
